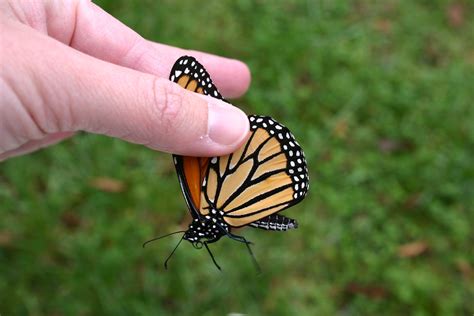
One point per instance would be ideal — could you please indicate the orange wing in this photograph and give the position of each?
(194, 173)
(265, 176)
(191, 75)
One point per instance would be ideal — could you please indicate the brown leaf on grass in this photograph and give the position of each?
(107, 184)
(383, 26)
(340, 129)
(384, 199)
(412, 201)
(455, 14)
(469, 57)
(434, 54)
(465, 268)
(371, 291)
(71, 220)
(412, 249)
(6, 238)
(326, 155)
(305, 79)
(389, 146)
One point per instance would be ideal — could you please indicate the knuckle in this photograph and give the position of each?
(167, 104)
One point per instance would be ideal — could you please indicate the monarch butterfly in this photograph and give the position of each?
(246, 188)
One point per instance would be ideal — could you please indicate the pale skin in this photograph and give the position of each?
(68, 66)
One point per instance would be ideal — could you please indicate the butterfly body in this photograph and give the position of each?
(207, 229)
(248, 187)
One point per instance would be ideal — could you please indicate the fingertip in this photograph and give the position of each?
(245, 79)
(231, 76)
(228, 125)
(203, 127)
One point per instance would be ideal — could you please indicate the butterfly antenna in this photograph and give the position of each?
(171, 254)
(212, 256)
(146, 242)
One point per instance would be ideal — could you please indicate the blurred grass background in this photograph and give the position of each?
(379, 94)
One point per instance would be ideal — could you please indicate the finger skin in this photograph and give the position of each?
(52, 90)
(98, 34)
(231, 76)
(65, 91)
(34, 145)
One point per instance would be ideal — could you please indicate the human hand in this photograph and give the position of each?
(70, 66)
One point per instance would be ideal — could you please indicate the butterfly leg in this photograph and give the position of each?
(212, 256)
(247, 243)
(242, 240)
(234, 237)
(239, 239)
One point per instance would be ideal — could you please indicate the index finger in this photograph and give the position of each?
(99, 34)
(232, 77)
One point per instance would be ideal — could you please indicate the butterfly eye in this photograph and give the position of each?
(197, 244)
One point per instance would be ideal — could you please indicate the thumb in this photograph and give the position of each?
(74, 91)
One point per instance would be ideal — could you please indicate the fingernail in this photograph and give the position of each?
(227, 124)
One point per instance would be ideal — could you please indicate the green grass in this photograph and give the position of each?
(379, 94)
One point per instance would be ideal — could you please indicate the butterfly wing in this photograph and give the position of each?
(191, 75)
(266, 175)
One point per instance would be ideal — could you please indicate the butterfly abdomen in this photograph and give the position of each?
(275, 222)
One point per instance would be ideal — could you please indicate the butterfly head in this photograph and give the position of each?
(205, 230)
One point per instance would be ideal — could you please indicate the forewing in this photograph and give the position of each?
(191, 75)
(266, 175)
